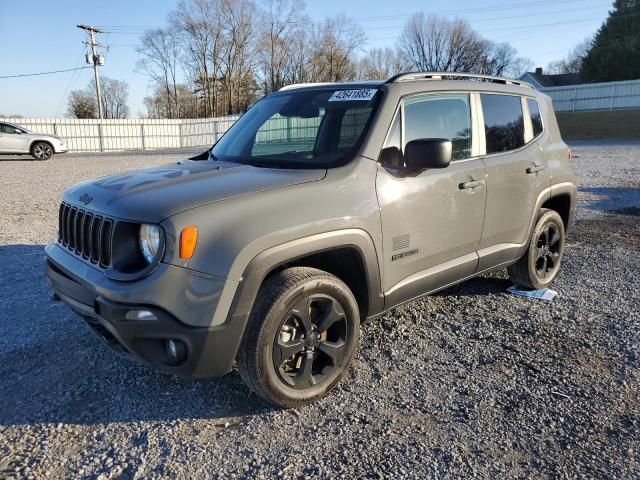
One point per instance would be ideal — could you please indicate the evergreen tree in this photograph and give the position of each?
(615, 53)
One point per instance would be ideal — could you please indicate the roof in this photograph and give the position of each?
(546, 81)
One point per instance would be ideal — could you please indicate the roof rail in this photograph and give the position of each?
(294, 86)
(411, 76)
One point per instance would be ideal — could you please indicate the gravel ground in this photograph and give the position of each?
(472, 382)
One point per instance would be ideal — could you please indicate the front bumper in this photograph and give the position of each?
(174, 295)
(60, 147)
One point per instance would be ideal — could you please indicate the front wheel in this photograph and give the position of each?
(302, 334)
(41, 151)
(540, 265)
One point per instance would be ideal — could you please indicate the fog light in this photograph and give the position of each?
(140, 315)
(176, 350)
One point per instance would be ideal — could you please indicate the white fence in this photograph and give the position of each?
(595, 96)
(129, 134)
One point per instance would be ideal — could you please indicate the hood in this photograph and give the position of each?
(153, 194)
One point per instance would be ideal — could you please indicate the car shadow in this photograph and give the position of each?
(491, 283)
(623, 201)
(53, 369)
(17, 158)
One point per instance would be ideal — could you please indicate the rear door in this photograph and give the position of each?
(432, 219)
(516, 176)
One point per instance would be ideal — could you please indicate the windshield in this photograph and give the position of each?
(300, 129)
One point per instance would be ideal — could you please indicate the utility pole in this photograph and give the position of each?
(96, 60)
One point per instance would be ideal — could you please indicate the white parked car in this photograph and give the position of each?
(17, 140)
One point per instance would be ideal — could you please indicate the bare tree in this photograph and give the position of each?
(200, 24)
(115, 94)
(519, 66)
(300, 52)
(335, 44)
(282, 23)
(497, 59)
(217, 55)
(160, 51)
(436, 44)
(239, 56)
(82, 104)
(381, 64)
(573, 62)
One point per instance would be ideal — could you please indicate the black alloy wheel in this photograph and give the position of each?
(548, 249)
(540, 264)
(312, 341)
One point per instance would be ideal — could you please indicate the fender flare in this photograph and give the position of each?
(265, 262)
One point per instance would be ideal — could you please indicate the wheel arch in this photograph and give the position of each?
(354, 244)
(560, 203)
(348, 254)
(33, 142)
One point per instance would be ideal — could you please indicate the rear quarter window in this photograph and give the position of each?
(536, 118)
(503, 122)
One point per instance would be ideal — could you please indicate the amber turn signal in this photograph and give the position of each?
(188, 240)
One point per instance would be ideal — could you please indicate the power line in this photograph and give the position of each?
(69, 84)
(132, 29)
(42, 73)
(527, 29)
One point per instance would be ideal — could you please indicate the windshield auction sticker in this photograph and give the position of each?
(363, 95)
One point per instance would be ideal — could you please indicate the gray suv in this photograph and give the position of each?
(323, 206)
(15, 139)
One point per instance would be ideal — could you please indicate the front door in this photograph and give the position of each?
(431, 220)
(11, 141)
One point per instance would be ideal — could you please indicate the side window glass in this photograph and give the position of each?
(440, 116)
(536, 118)
(503, 122)
(4, 128)
(393, 139)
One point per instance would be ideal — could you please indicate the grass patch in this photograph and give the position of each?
(600, 124)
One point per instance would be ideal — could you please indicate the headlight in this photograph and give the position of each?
(149, 241)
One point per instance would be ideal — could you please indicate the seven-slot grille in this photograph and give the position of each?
(86, 234)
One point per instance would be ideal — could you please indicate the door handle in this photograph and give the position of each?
(471, 184)
(535, 169)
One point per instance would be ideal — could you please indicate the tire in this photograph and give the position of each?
(540, 265)
(41, 151)
(289, 357)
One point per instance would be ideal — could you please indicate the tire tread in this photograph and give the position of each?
(519, 271)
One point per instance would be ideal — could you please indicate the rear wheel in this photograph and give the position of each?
(540, 265)
(301, 337)
(41, 151)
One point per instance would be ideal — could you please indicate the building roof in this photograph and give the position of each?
(542, 80)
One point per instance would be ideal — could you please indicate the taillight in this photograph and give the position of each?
(569, 155)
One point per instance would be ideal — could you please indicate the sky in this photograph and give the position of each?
(41, 36)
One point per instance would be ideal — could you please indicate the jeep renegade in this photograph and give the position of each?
(322, 206)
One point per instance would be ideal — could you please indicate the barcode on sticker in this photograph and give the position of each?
(364, 94)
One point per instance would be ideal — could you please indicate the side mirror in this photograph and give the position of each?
(427, 153)
(391, 157)
(17, 130)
